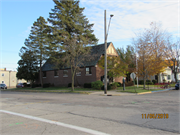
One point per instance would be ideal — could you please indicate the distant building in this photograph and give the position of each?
(90, 71)
(9, 78)
(166, 76)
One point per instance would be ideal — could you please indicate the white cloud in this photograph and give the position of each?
(129, 16)
(26, 32)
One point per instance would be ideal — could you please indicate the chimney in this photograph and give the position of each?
(4, 69)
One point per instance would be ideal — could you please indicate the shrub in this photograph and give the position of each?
(141, 82)
(69, 84)
(38, 85)
(102, 88)
(154, 81)
(46, 85)
(164, 80)
(87, 85)
(136, 81)
(33, 85)
(97, 85)
(114, 85)
(149, 83)
(119, 84)
(109, 87)
(148, 80)
(130, 83)
(28, 85)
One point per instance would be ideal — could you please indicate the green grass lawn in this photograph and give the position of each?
(138, 89)
(130, 89)
(54, 89)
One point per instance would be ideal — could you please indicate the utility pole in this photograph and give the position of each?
(105, 53)
(136, 67)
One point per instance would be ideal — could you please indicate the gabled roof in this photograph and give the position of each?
(96, 50)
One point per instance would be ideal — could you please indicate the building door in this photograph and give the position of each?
(156, 78)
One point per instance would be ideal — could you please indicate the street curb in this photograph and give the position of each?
(143, 93)
(153, 91)
(161, 90)
(110, 94)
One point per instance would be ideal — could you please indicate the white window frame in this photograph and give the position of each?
(3, 82)
(78, 74)
(65, 75)
(90, 71)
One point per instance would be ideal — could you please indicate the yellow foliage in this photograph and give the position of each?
(115, 66)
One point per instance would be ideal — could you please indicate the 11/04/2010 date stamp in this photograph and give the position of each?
(155, 116)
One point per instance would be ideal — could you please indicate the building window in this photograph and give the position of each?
(2, 81)
(88, 70)
(78, 74)
(169, 77)
(44, 74)
(56, 73)
(65, 73)
(2, 74)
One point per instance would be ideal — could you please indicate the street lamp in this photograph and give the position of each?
(105, 53)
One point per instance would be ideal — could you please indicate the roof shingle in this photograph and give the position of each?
(96, 50)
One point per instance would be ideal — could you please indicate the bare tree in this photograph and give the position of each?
(150, 47)
(172, 55)
(77, 54)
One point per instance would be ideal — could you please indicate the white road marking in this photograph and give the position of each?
(90, 131)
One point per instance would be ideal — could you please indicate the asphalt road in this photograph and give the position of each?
(24, 113)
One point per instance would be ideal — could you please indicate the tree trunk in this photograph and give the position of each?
(72, 73)
(76, 80)
(31, 83)
(144, 87)
(41, 81)
(175, 76)
(175, 71)
(144, 70)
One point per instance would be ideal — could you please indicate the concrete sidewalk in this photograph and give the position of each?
(115, 93)
(112, 93)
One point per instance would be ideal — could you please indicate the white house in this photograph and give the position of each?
(166, 76)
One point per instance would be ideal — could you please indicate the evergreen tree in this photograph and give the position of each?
(28, 66)
(128, 56)
(71, 34)
(37, 42)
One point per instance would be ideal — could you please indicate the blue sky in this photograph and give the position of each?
(17, 17)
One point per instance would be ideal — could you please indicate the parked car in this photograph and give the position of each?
(20, 85)
(177, 86)
(3, 86)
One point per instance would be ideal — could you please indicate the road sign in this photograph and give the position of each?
(133, 75)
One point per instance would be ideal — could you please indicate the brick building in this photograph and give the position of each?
(90, 71)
